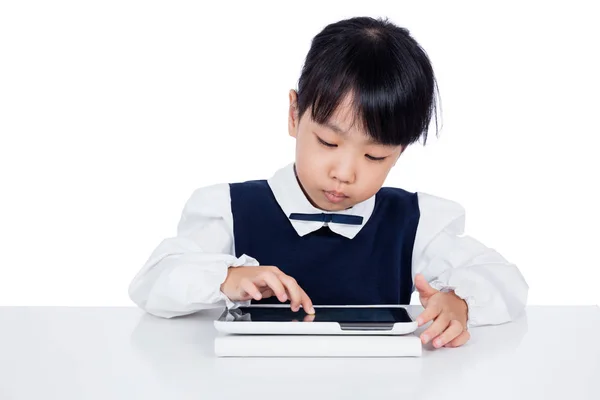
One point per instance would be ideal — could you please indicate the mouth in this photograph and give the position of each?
(335, 197)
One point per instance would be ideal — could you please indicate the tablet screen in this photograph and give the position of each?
(349, 315)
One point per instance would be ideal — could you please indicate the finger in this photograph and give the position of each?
(460, 339)
(429, 314)
(439, 325)
(250, 288)
(309, 318)
(274, 269)
(307, 303)
(262, 285)
(275, 284)
(454, 329)
(245, 296)
(294, 291)
(423, 286)
(289, 282)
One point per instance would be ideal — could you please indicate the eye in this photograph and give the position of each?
(375, 158)
(324, 143)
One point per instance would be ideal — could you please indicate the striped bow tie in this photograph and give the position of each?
(335, 218)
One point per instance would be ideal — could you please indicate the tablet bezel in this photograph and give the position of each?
(315, 327)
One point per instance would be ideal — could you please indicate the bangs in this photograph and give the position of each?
(387, 74)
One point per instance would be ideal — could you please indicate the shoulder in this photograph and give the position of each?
(438, 213)
(205, 199)
(438, 216)
(257, 184)
(435, 213)
(247, 193)
(205, 206)
(398, 202)
(396, 194)
(218, 195)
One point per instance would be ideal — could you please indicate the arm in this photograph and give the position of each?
(184, 273)
(493, 288)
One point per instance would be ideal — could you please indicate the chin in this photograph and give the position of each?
(325, 205)
(333, 207)
(337, 207)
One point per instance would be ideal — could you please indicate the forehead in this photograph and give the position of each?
(345, 120)
(346, 123)
(345, 117)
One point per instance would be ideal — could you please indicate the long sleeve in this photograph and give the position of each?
(494, 289)
(184, 273)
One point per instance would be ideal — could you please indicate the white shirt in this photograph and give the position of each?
(184, 273)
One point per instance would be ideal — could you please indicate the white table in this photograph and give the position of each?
(123, 353)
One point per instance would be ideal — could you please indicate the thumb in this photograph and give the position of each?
(424, 288)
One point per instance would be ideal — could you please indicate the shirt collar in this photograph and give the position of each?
(291, 199)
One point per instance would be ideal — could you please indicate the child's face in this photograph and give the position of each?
(338, 169)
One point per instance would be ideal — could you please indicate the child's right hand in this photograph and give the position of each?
(245, 283)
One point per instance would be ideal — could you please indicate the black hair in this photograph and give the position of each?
(387, 73)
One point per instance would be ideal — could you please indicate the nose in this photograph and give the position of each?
(344, 171)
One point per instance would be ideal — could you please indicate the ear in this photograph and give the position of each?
(293, 119)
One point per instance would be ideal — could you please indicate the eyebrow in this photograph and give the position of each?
(335, 128)
(342, 132)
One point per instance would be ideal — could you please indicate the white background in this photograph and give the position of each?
(113, 112)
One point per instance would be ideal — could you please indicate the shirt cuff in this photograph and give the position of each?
(468, 292)
(242, 261)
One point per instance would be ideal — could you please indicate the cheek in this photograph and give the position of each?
(309, 155)
(373, 184)
(307, 163)
(373, 180)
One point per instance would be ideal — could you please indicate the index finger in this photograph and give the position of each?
(294, 290)
(309, 318)
(297, 293)
(429, 314)
(307, 303)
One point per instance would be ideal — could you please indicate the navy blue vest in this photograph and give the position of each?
(372, 268)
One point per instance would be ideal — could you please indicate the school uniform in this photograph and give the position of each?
(368, 254)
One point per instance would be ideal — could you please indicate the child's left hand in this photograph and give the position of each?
(449, 313)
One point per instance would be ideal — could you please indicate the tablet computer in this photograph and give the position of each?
(327, 320)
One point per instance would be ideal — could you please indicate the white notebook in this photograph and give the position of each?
(317, 346)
